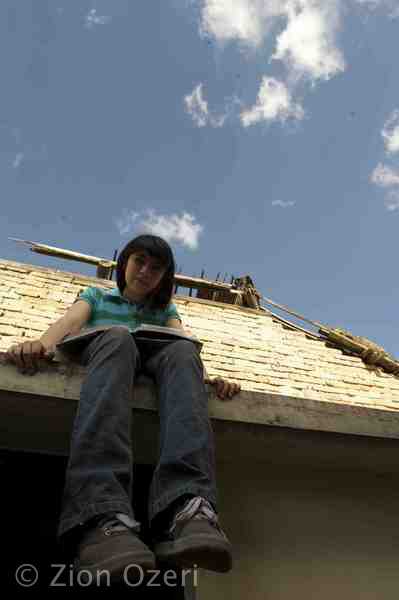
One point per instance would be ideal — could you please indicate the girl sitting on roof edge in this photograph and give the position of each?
(97, 512)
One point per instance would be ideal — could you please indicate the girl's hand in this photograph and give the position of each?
(28, 356)
(225, 388)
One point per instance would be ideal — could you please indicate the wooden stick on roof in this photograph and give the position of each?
(180, 280)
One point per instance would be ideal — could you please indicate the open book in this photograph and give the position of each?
(147, 337)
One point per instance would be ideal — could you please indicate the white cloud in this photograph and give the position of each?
(246, 21)
(392, 203)
(307, 45)
(274, 101)
(390, 133)
(173, 228)
(127, 221)
(384, 176)
(282, 203)
(197, 107)
(17, 160)
(92, 18)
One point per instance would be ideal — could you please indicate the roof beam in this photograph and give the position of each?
(102, 263)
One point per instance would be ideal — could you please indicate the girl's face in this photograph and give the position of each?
(143, 274)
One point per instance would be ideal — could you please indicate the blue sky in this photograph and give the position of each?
(259, 138)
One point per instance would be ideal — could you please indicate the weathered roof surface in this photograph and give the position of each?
(242, 344)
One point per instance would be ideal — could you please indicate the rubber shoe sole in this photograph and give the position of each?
(129, 566)
(196, 551)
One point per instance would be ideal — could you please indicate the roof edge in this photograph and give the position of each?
(62, 382)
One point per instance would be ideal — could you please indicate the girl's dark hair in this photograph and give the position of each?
(157, 248)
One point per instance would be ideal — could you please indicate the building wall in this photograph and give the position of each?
(30, 505)
(307, 534)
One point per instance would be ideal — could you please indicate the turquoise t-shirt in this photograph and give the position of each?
(109, 307)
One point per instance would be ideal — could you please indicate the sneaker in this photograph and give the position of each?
(108, 548)
(195, 539)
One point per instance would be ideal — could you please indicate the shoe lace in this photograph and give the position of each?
(196, 508)
(112, 524)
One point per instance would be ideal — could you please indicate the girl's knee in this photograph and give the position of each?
(120, 336)
(184, 352)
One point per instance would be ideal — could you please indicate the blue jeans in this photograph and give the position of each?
(100, 468)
